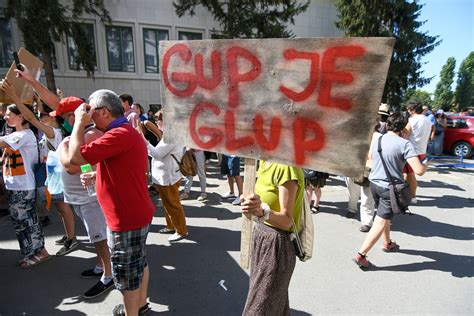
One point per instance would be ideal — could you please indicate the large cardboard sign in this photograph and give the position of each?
(22, 88)
(309, 102)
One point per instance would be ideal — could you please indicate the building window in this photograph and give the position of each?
(151, 39)
(120, 48)
(189, 36)
(6, 46)
(73, 50)
(54, 60)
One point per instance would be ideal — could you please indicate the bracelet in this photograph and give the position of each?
(266, 213)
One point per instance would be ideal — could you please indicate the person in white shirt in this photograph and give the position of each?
(417, 131)
(166, 179)
(19, 157)
(48, 124)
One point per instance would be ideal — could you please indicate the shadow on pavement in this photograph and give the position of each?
(41, 289)
(336, 208)
(418, 225)
(459, 266)
(438, 184)
(195, 270)
(445, 201)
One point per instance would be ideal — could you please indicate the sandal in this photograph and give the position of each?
(33, 260)
(166, 230)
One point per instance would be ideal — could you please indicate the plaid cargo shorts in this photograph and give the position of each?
(128, 256)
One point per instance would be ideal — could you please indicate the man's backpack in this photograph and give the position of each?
(187, 165)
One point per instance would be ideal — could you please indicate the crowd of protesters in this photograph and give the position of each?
(110, 131)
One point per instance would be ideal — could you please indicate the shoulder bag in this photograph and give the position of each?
(303, 240)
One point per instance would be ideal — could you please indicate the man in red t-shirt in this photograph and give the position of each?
(121, 155)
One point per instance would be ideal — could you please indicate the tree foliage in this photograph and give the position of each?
(43, 22)
(417, 95)
(464, 94)
(443, 94)
(398, 19)
(247, 18)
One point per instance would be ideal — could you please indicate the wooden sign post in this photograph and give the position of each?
(308, 102)
(250, 173)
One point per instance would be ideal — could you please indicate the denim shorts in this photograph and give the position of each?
(128, 257)
(230, 166)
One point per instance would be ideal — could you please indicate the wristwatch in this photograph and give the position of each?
(266, 213)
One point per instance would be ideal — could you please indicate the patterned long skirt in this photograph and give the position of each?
(272, 264)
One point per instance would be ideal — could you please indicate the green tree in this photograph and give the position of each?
(418, 95)
(398, 19)
(43, 22)
(464, 94)
(443, 95)
(247, 18)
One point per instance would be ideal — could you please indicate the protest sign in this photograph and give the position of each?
(22, 88)
(303, 102)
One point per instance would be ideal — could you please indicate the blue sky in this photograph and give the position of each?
(452, 20)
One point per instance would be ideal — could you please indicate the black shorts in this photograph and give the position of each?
(382, 201)
(316, 182)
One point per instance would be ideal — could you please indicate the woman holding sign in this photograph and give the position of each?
(275, 206)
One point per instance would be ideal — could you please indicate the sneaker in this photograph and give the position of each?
(202, 197)
(69, 245)
(90, 273)
(166, 230)
(349, 214)
(236, 201)
(392, 246)
(229, 195)
(414, 200)
(176, 237)
(99, 289)
(365, 228)
(314, 209)
(361, 261)
(119, 310)
(61, 241)
(184, 196)
(144, 309)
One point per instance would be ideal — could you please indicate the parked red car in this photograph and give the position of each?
(459, 135)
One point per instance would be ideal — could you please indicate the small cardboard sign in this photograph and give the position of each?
(308, 102)
(22, 88)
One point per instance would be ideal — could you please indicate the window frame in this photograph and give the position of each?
(156, 30)
(95, 49)
(194, 31)
(121, 28)
(8, 58)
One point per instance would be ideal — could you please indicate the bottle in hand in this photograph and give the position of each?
(89, 179)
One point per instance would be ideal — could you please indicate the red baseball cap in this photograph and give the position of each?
(69, 104)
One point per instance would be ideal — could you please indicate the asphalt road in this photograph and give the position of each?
(432, 274)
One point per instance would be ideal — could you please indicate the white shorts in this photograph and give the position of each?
(93, 218)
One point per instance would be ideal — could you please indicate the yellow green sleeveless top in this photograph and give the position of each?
(273, 175)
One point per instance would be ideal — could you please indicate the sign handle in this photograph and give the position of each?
(250, 173)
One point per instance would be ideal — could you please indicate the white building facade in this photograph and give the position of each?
(127, 51)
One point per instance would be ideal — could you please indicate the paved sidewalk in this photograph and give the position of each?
(432, 274)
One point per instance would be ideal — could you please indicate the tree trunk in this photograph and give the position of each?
(48, 69)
